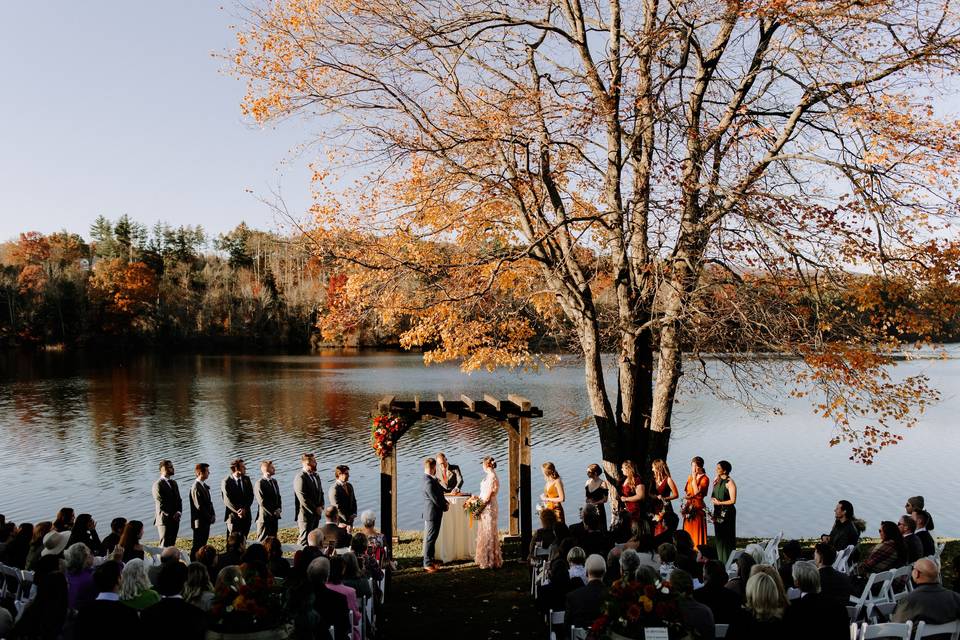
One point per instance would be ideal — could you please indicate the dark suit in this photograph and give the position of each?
(454, 481)
(334, 612)
(814, 616)
(173, 618)
(307, 500)
(835, 586)
(583, 605)
(345, 499)
(724, 603)
(929, 603)
(269, 502)
(237, 494)
(698, 617)
(929, 546)
(202, 515)
(166, 496)
(335, 534)
(914, 547)
(434, 504)
(106, 620)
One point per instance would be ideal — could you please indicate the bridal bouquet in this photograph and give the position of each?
(474, 506)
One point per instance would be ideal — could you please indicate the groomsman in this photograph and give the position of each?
(237, 491)
(307, 498)
(268, 500)
(166, 495)
(343, 497)
(434, 504)
(202, 513)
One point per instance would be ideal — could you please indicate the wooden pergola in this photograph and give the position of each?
(513, 414)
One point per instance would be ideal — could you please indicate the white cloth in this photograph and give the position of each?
(458, 540)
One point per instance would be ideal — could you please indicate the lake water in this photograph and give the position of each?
(88, 432)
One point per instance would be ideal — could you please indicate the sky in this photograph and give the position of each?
(119, 108)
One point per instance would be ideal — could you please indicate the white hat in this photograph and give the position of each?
(54, 543)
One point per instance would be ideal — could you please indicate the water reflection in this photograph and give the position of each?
(89, 432)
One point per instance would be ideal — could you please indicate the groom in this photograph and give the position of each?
(434, 504)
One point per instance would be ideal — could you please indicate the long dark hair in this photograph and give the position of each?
(891, 533)
(847, 507)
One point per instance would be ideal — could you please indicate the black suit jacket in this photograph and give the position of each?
(345, 499)
(454, 479)
(202, 512)
(336, 534)
(236, 496)
(835, 586)
(814, 616)
(929, 546)
(166, 497)
(307, 496)
(914, 547)
(334, 611)
(268, 498)
(724, 603)
(105, 620)
(583, 605)
(173, 618)
(434, 502)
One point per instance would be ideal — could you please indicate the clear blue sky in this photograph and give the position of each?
(118, 107)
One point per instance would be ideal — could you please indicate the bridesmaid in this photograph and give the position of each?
(696, 489)
(632, 493)
(553, 495)
(597, 491)
(724, 512)
(664, 491)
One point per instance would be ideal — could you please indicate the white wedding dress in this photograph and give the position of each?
(488, 554)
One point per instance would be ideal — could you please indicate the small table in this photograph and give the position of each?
(458, 538)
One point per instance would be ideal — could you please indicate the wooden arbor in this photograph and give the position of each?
(513, 414)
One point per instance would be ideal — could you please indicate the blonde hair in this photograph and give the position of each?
(660, 469)
(550, 470)
(489, 462)
(765, 597)
(633, 468)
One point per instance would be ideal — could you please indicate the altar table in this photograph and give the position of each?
(458, 539)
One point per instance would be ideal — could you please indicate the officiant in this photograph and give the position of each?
(449, 475)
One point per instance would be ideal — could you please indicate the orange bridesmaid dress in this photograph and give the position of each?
(695, 518)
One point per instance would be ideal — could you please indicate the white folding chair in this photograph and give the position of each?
(720, 630)
(866, 599)
(771, 553)
(887, 630)
(842, 563)
(11, 581)
(732, 561)
(577, 633)
(938, 552)
(368, 617)
(333, 633)
(854, 630)
(925, 630)
(553, 618)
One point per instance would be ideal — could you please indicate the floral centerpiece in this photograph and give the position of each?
(474, 506)
(384, 430)
(250, 602)
(629, 607)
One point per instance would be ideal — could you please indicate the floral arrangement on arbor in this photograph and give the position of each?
(250, 602)
(383, 433)
(629, 607)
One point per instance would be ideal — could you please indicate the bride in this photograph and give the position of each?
(488, 536)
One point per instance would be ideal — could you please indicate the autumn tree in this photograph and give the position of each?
(656, 153)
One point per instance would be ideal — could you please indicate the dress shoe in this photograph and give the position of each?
(432, 569)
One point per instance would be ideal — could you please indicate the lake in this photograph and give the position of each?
(87, 431)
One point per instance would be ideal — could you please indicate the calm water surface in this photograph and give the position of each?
(88, 432)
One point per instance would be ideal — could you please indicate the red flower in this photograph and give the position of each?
(634, 612)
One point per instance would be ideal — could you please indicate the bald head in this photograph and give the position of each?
(925, 572)
(315, 538)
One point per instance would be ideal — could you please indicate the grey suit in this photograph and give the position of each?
(202, 515)
(237, 494)
(166, 496)
(342, 495)
(929, 603)
(307, 499)
(434, 504)
(269, 502)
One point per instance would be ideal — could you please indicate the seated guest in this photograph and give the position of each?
(40, 530)
(613, 566)
(168, 554)
(130, 540)
(207, 556)
(80, 586)
(629, 564)
(45, 615)
(696, 616)
(333, 533)
(63, 523)
(233, 553)
(756, 551)
(173, 617)
(644, 545)
(85, 531)
(834, 585)
(105, 617)
(335, 583)
(928, 602)
(924, 527)
(15, 553)
(595, 539)
(908, 529)
(55, 543)
(113, 538)
(668, 555)
(198, 590)
(137, 591)
(790, 553)
(766, 603)
(890, 553)
(544, 536)
(738, 583)
(368, 521)
(330, 605)
(366, 557)
(706, 553)
(353, 578)
(723, 602)
(811, 615)
(582, 606)
(279, 567)
(576, 571)
(686, 553)
(846, 528)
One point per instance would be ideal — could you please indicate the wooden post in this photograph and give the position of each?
(526, 506)
(513, 467)
(388, 498)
